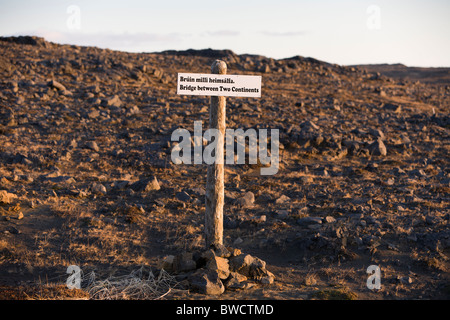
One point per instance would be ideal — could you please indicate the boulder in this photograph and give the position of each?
(378, 148)
(234, 252)
(241, 264)
(98, 188)
(56, 85)
(220, 265)
(247, 200)
(236, 281)
(257, 269)
(113, 101)
(306, 221)
(93, 146)
(206, 282)
(146, 185)
(167, 263)
(268, 278)
(221, 251)
(5, 197)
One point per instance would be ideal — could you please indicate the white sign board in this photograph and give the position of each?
(200, 84)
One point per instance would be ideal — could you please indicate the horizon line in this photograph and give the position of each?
(225, 49)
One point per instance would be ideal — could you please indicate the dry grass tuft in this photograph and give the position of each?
(140, 284)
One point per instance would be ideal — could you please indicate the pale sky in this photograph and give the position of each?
(415, 33)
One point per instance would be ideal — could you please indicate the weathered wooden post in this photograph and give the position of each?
(215, 175)
(218, 85)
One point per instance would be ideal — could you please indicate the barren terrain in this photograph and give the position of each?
(364, 176)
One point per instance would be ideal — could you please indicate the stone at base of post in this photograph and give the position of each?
(215, 176)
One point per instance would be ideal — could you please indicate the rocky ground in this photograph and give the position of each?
(401, 72)
(87, 179)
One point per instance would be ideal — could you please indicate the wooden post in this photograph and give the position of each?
(215, 176)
